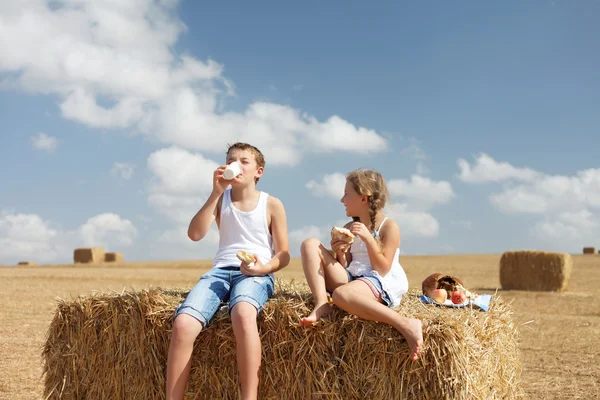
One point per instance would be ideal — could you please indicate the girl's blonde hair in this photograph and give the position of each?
(370, 183)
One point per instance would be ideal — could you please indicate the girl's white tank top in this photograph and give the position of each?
(239, 230)
(395, 282)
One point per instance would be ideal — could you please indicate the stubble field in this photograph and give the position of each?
(559, 331)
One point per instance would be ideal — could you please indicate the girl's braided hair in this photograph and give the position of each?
(370, 183)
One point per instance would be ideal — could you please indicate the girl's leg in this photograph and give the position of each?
(247, 347)
(357, 298)
(323, 273)
(185, 330)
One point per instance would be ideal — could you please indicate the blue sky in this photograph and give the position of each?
(482, 116)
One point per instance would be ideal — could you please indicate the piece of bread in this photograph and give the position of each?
(245, 256)
(343, 234)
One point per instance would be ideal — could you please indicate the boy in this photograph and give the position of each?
(248, 220)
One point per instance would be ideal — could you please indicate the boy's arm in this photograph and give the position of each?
(204, 218)
(279, 233)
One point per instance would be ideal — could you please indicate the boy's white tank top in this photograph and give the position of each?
(395, 282)
(239, 230)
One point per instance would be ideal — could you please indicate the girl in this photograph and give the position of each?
(365, 280)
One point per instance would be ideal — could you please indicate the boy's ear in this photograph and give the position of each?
(259, 172)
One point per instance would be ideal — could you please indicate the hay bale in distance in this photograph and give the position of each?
(535, 270)
(88, 255)
(113, 257)
(25, 263)
(115, 346)
(589, 250)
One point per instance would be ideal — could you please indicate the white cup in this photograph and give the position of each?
(232, 170)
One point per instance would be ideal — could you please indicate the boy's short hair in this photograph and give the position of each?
(258, 155)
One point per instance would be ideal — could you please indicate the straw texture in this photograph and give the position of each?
(88, 255)
(114, 346)
(535, 270)
(113, 257)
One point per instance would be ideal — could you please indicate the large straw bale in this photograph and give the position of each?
(113, 257)
(589, 250)
(535, 270)
(25, 263)
(89, 255)
(114, 346)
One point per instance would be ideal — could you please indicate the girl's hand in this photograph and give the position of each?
(219, 184)
(258, 269)
(359, 229)
(339, 246)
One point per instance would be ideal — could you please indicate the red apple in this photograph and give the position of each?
(439, 295)
(458, 297)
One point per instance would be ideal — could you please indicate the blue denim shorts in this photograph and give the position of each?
(374, 284)
(221, 285)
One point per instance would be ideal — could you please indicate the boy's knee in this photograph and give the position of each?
(243, 316)
(185, 328)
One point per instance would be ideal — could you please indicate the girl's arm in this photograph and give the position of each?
(382, 259)
(344, 258)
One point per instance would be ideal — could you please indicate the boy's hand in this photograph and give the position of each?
(219, 184)
(258, 269)
(359, 229)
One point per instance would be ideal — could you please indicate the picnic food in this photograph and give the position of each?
(458, 297)
(246, 257)
(343, 234)
(439, 295)
(440, 281)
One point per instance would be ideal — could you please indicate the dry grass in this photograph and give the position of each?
(558, 363)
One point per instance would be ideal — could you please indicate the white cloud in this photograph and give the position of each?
(425, 191)
(182, 172)
(569, 226)
(112, 65)
(565, 205)
(28, 237)
(44, 142)
(297, 236)
(551, 193)
(413, 223)
(123, 170)
(486, 169)
(108, 230)
(330, 185)
(177, 208)
(174, 244)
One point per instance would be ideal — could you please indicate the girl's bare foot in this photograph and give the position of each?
(413, 333)
(316, 314)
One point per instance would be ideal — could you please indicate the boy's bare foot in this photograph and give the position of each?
(413, 333)
(316, 314)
